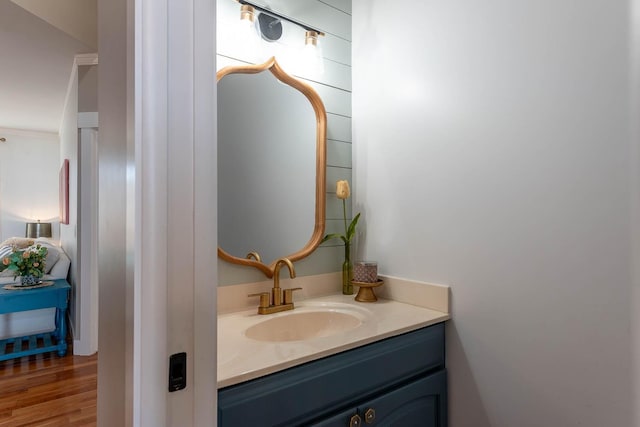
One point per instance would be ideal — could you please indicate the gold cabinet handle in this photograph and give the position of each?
(369, 416)
(287, 295)
(264, 298)
(355, 421)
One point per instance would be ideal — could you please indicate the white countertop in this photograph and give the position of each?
(241, 358)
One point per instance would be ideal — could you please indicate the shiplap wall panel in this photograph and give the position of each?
(314, 13)
(334, 207)
(338, 50)
(335, 51)
(338, 153)
(343, 5)
(338, 127)
(336, 174)
(335, 74)
(335, 226)
(333, 86)
(336, 101)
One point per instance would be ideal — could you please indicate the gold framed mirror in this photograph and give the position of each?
(271, 166)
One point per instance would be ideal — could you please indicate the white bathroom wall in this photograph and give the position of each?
(334, 87)
(491, 153)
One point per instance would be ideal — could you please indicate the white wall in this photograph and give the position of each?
(491, 153)
(68, 232)
(28, 181)
(334, 87)
(87, 88)
(29, 166)
(635, 210)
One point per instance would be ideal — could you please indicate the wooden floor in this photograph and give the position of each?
(47, 390)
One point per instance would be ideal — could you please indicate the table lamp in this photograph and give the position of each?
(38, 229)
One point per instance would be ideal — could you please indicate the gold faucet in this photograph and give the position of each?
(281, 300)
(255, 255)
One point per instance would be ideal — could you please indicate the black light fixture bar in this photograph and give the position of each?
(277, 15)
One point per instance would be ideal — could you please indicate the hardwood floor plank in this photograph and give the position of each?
(47, 390)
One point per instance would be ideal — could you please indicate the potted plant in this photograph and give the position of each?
(28, 264)
(343, 192)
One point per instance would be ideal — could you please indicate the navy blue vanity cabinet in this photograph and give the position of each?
(399, 381)
(421, 403)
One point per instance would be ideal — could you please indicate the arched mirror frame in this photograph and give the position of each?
(321, 162)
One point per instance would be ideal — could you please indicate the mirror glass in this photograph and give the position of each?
(271, 162)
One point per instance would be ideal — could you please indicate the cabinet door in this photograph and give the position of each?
(422, 403)
(314, 390)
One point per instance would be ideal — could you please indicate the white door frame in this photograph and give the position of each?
(86, 340)
(158, 213)
(175, 215)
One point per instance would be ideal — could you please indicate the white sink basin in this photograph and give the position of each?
(252, 345)
(306, 324)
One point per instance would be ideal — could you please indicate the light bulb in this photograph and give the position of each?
(247, 15)
(313, 62)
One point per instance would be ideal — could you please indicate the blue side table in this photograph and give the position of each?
(56, 296)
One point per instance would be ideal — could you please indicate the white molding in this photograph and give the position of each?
(175, 302)
(88, 120)
(150, 358)
(73, 80)
(86, 59)
(87, 306)
(78, 60)
(29, 133)
(205, 211)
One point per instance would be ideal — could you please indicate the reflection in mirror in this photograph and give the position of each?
(271, 166)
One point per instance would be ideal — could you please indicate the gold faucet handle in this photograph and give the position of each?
(264, 298)
(288, 295)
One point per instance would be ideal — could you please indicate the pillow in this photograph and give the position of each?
(5, 250)
(53, 254)
(18, 242)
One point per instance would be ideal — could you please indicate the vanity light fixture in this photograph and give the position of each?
(312, 54)
(269, 22)
(311, 38)
(247, 14)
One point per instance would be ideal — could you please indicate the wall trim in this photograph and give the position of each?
(86, 59)
(88, 120)
(53, 136)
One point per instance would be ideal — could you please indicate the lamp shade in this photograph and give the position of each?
(38, 229)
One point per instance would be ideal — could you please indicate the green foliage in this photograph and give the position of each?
(30, 261)
(349, 232)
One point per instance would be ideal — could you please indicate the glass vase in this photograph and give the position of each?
(347, 271)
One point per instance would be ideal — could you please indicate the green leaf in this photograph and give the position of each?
(332, 236)
(352, 227)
